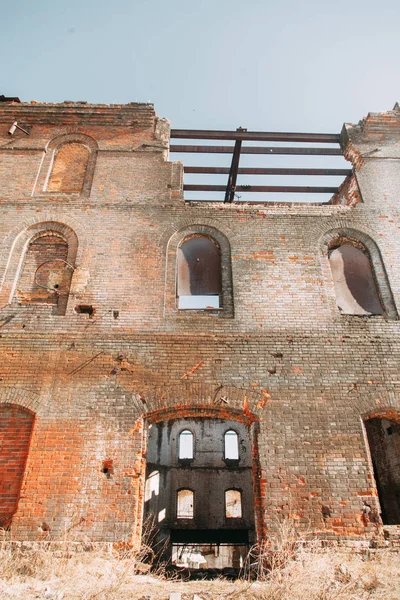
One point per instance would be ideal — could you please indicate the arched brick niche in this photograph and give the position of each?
(41, 266)
(16, 426)
(187, 253)
(355, 276)
(68, 166)
(382, 429)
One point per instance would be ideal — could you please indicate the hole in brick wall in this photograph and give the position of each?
(389, 431)
(85, 309)
(115, 314)
(44, 527)
(107, 468)
(326, 511)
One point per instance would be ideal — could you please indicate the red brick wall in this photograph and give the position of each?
(91, 379)
(15, 434)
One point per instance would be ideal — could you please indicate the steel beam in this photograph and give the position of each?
(230, 188)
(262, 171)
(261, 188)
(260, 136)
(257, 150)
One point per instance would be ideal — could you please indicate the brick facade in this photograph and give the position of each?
(278, 355)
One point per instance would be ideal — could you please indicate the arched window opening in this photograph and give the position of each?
(69, 169)
(185, 451)
(199, 273)
(233, 504)
(185, 504)
(231, 445)
(384, 443)
(46, 273)
(15, 433)
(355, 286)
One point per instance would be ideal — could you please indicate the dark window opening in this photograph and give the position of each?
(355, 286)
(385, 454)
(199, 273)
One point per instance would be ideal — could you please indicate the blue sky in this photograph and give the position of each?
(209, 64)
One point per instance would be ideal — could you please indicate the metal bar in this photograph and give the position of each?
(262, 171)
(261, 188)
(230, 188)
(261, 136)
(257, 150)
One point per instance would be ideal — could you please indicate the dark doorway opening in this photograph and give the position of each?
(199, 504)
(384, 443)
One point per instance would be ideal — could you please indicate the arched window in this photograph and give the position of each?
(233, 504)
(231, 445)
(355, 286)
(185, 504)
(46, 273)
(199, 273)
(185, 451)
(69, 168)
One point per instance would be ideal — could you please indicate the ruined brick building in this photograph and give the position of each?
(215, 367)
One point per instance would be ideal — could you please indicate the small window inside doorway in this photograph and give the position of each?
(233, 504)
(185, 504)
(185, 451)
(231, 445)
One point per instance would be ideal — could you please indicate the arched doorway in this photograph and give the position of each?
(199, 491)
(384, 443)
(16, 424)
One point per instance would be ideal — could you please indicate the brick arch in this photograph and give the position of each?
(202, 396)
(53, 147)
(385, 412)
(16, 428)
(193, 412)
(174, 242)
(358, 238)
(26, 400)
(186, 223)
(21, 244)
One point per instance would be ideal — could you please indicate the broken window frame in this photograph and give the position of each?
(179, 514)
(194, 301)
(355, 298)
(334, 238)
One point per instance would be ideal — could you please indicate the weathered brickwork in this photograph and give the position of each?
(277, 355)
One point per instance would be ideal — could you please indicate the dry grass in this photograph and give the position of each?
(283, 573)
